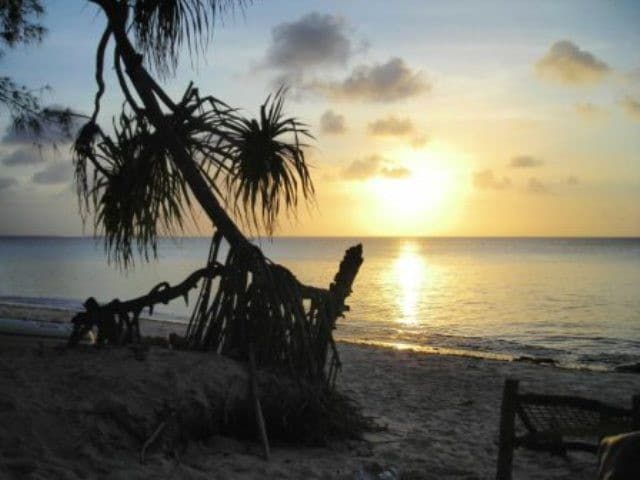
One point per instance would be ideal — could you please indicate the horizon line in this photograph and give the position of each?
(274, 237)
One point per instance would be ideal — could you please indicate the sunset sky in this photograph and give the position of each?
(431, 118)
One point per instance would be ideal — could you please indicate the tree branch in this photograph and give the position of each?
(123, 82)
(104, 40)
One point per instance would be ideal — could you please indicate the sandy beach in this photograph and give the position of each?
(345, 240)
(66, 414)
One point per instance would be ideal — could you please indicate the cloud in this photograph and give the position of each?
(6, 182)
(572, 180)
(566, 63)
(397, 127)
(391, 125)
(374, 166)
(535, 186)
(486, 180)
(631, 106)
(633, 75)
(49, 135)
(395, 172)
(589, 111)
(362, 169)
(52, 132)
(331, 122)
(23, 156)
(525, 161)
(419, 140)
(59, 172)
(386, 82)
(314, 39)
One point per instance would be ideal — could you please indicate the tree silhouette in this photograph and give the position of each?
(141, 181)
(18, 21)
(20, 26)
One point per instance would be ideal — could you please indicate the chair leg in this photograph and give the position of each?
(635, 411)
(507, 429)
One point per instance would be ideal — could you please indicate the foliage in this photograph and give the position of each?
(162, 28)
(256, 167)
(267, 171)
(137, 183)
(18, 21)
(136, 192)
(19, 25)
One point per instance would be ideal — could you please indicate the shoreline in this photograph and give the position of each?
(155, 327)
(451, 352)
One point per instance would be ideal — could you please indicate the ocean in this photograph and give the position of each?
(573, 300)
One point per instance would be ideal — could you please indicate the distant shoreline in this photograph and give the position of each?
(355, 237)
(155, 327)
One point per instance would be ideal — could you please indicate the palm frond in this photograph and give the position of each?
(163, 27)
(130, 183)
(267, 171)
(136, 193)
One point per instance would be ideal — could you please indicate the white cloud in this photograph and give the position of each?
(486, 180)
(386, 82)
(374, 166)
(566, 63)
(631, 106)
(589, 111)
(23, 156)
(56, 173)
(525, 161)
(536, 186)
(391, 126)
(314, 39)
(6, 182)
(332, 122)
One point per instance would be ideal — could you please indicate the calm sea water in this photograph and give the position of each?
(574, 300)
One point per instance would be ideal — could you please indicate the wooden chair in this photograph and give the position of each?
(557, 423)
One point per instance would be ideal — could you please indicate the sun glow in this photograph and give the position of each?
(409, 270)
(424, 197)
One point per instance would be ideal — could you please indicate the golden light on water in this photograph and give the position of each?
(410, 272)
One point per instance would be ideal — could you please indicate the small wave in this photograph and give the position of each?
(11, 326)
(65, 304)
(21, 315)
(46, 309)
(504, 349)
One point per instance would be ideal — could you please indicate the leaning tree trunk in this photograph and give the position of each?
(259, 309)
(143, 84)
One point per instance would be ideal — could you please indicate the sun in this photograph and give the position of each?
(424, 196)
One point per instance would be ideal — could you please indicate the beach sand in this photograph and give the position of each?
(65, 414)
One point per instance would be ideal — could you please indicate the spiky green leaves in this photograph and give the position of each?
(268, 171)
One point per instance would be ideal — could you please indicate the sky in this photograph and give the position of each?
(452, 118)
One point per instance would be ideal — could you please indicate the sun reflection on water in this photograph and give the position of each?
(409, 270)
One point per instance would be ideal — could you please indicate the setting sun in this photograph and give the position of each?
(410, 235)
(425, 196)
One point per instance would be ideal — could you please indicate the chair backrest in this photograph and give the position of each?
(549, 419)
(570, 416)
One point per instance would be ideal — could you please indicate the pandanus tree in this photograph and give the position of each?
(142, 178)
